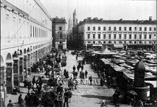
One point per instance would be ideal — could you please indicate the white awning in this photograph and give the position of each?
(118, 46)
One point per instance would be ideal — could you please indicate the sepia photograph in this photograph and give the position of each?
(78, 53)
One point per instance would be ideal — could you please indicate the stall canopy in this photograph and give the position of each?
(118, 46)
(105, 52)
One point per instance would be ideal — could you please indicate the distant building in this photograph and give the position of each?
(74, 18)
(59, 33)
(26, 36)
(117, 33)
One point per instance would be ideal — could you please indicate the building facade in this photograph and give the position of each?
(26, 36)
(118, 33)
(59, 33)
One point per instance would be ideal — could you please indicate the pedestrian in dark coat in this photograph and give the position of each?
(33, 81)
(10, 104)
(86, 73)
(90, 79)
(74, 68)
(27, 99)
(20, 101)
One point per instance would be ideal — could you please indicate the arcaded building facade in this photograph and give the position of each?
(118, 33)
(26, 36)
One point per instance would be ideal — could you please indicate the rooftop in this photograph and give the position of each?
(58, 20)
(121, 21)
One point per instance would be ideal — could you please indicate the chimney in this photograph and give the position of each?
(150, 18)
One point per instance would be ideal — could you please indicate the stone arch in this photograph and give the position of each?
(20, 52)
(2, 61)
(28, 50)
(9, 58)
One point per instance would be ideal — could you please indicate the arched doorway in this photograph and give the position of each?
(16, 69)
(9, 73)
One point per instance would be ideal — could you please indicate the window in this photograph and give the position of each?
(99, 28)
(115, 42)
(93, 28)
(109, 28)
(98, 36)
(129, 36)
(104, 42)
(145, 28)
(150, 36)
(135, 42)
(154, 28)
(93, 36)
(119, 28)
(104, 36)
(60, 28)
(109, 36)
(124, 36)
(120, 36)
(129, 28)
(135, 36)
(33, 31)
(104, 28)
(140, 28)
(135, 28)
(114, 28)
(145, 36)
(30, 31)
(60, 35)
(93, 41)
(140, 36)
(88, 28)
(88, 36)
(124, 28)
(114, 36)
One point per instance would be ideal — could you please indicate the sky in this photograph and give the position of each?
(106, 9)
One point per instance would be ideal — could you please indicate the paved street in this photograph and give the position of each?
(85, 95)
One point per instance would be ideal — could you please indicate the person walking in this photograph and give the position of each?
(86, 73)
(66, 99)
(74, 68)
(103, 104)
(90, 79)
(33, 81)
(10, 104)
(20, 101)
(27, 99)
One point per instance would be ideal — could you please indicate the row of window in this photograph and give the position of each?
(37, 32)
(124, 28)
(120, 36)
(123, 42)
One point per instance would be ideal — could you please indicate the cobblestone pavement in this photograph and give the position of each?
(85, 95)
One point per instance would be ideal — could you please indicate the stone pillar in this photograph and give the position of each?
(2, 87)
(16, 72)
(29, 64)
(9, 77)
(21, 67)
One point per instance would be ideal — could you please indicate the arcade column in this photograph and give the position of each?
(29, 64)
(16, 72)
(21, 67)
(9, 77)
(25, 66)
(2, 87)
